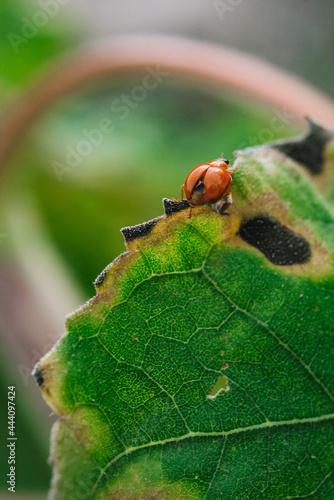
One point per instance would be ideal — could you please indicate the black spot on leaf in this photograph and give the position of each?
(278, 243)
(132, 232)
(101, 278)
(38, 374)
(173, 206)
(308, 149)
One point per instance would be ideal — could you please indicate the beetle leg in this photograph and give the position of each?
(182, 192)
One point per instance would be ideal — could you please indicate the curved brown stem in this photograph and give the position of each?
(223, 67)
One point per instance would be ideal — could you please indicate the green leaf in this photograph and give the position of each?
(202, 367)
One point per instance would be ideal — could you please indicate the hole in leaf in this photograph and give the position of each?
(220, 386)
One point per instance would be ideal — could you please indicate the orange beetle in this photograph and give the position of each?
(208, 184)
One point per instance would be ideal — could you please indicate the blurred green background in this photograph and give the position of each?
(58, 231)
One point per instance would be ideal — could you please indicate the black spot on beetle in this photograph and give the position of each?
(38, 374)
(132, 232)
(174, 206)
(308, 149)
(101, 278)
(278, 243)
